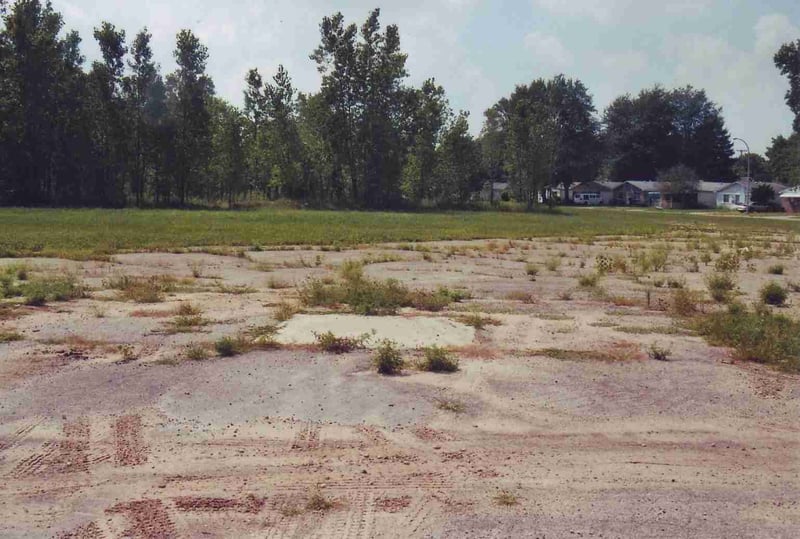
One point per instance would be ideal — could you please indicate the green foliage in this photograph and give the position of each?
(756, 335)
(659, 353)
(231, 346)
(196, 352)
(776, 269)
(589, 280)
(438, 359)
(328, 342)
(9, 336)
(373, 297)
(42, 290)
(388, 359)
(684, 302)
(720, 286)
(729, 261)
(773, 294)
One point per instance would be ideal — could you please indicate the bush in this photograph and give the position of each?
(757, 335)
(328, 342)
(728, 262)
(388, 359)
(589, 280)
(477, 320)
(142, 290)
(684, 302)
(720, 286)
(438, 360)
(196, 352)
(531, 270)
(552, 264)
(40, 291)
(777, 269)
(774, 294)
(230, 346)
(658, 353)
(371, 297)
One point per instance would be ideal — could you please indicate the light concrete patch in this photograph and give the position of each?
(406, 332)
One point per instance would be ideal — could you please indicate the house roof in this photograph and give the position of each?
(712, 187)
(597, 186)
(610, 185)
(792, 192)
(645, 185)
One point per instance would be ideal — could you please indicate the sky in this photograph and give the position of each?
(480, 49)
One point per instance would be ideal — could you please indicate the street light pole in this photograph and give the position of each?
(749, 178)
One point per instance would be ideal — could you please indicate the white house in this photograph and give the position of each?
(711, 194)
(736, 193)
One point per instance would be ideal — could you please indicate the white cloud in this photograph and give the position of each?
(744, 81)
(548, 50)
(609, 11)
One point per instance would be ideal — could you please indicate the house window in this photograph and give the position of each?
(726, 199)
(738, 199)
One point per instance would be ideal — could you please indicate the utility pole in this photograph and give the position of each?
(749, 178)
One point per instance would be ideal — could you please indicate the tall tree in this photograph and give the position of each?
(787, 60)
(110, 115)
(430, 111)
(190, 90)
(139, 88)
(784, 159)
(458, 167)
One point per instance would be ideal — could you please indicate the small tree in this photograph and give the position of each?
(679, 185)
(762, 194)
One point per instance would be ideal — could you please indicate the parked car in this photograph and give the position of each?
(756, 207)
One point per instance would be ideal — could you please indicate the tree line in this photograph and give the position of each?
(120, 132)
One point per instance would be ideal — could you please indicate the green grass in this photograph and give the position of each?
(98, 233)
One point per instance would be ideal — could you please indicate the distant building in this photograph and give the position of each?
(493, 191)
(594, 193)
(790, 200)
(640, 193)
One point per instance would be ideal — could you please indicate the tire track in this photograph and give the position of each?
(89, 531)
(248, 504)
(372, 435)
(129, 446)
(15, 438)
(148, 519)
(307, 438)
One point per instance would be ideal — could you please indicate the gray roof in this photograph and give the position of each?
(645, 185)
(712, 187)
(610, 185)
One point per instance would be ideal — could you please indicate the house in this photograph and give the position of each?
(790, 200)
(594, 193)
(709, 193)
(736, 193)
(640, 193)
(493, 191)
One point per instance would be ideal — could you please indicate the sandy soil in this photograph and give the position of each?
(106, 431)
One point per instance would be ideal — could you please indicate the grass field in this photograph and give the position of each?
(93, 233)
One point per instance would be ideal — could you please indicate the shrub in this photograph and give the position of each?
(777, 269)
(728, 262)
(774, 294)
(142, 290)
(187, 309)
(187, 323)
(231, 346)
(40, 291)
(684, 302)
(658, 353)
(477, 320)
(720, 286)
(9, 336)
(285, 311)
(196, 352)
(388, 359)
(506, 498)
(328, 342)
(757, 335)
(531, 270)
(552, 264)
(438, 360)
(589, 280)
(451, 405)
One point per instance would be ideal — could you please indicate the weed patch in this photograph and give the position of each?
(388, 359)
(436, 359)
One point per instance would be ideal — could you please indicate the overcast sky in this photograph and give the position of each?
(479, 49)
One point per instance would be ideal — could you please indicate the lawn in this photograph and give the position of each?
(94, 233)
